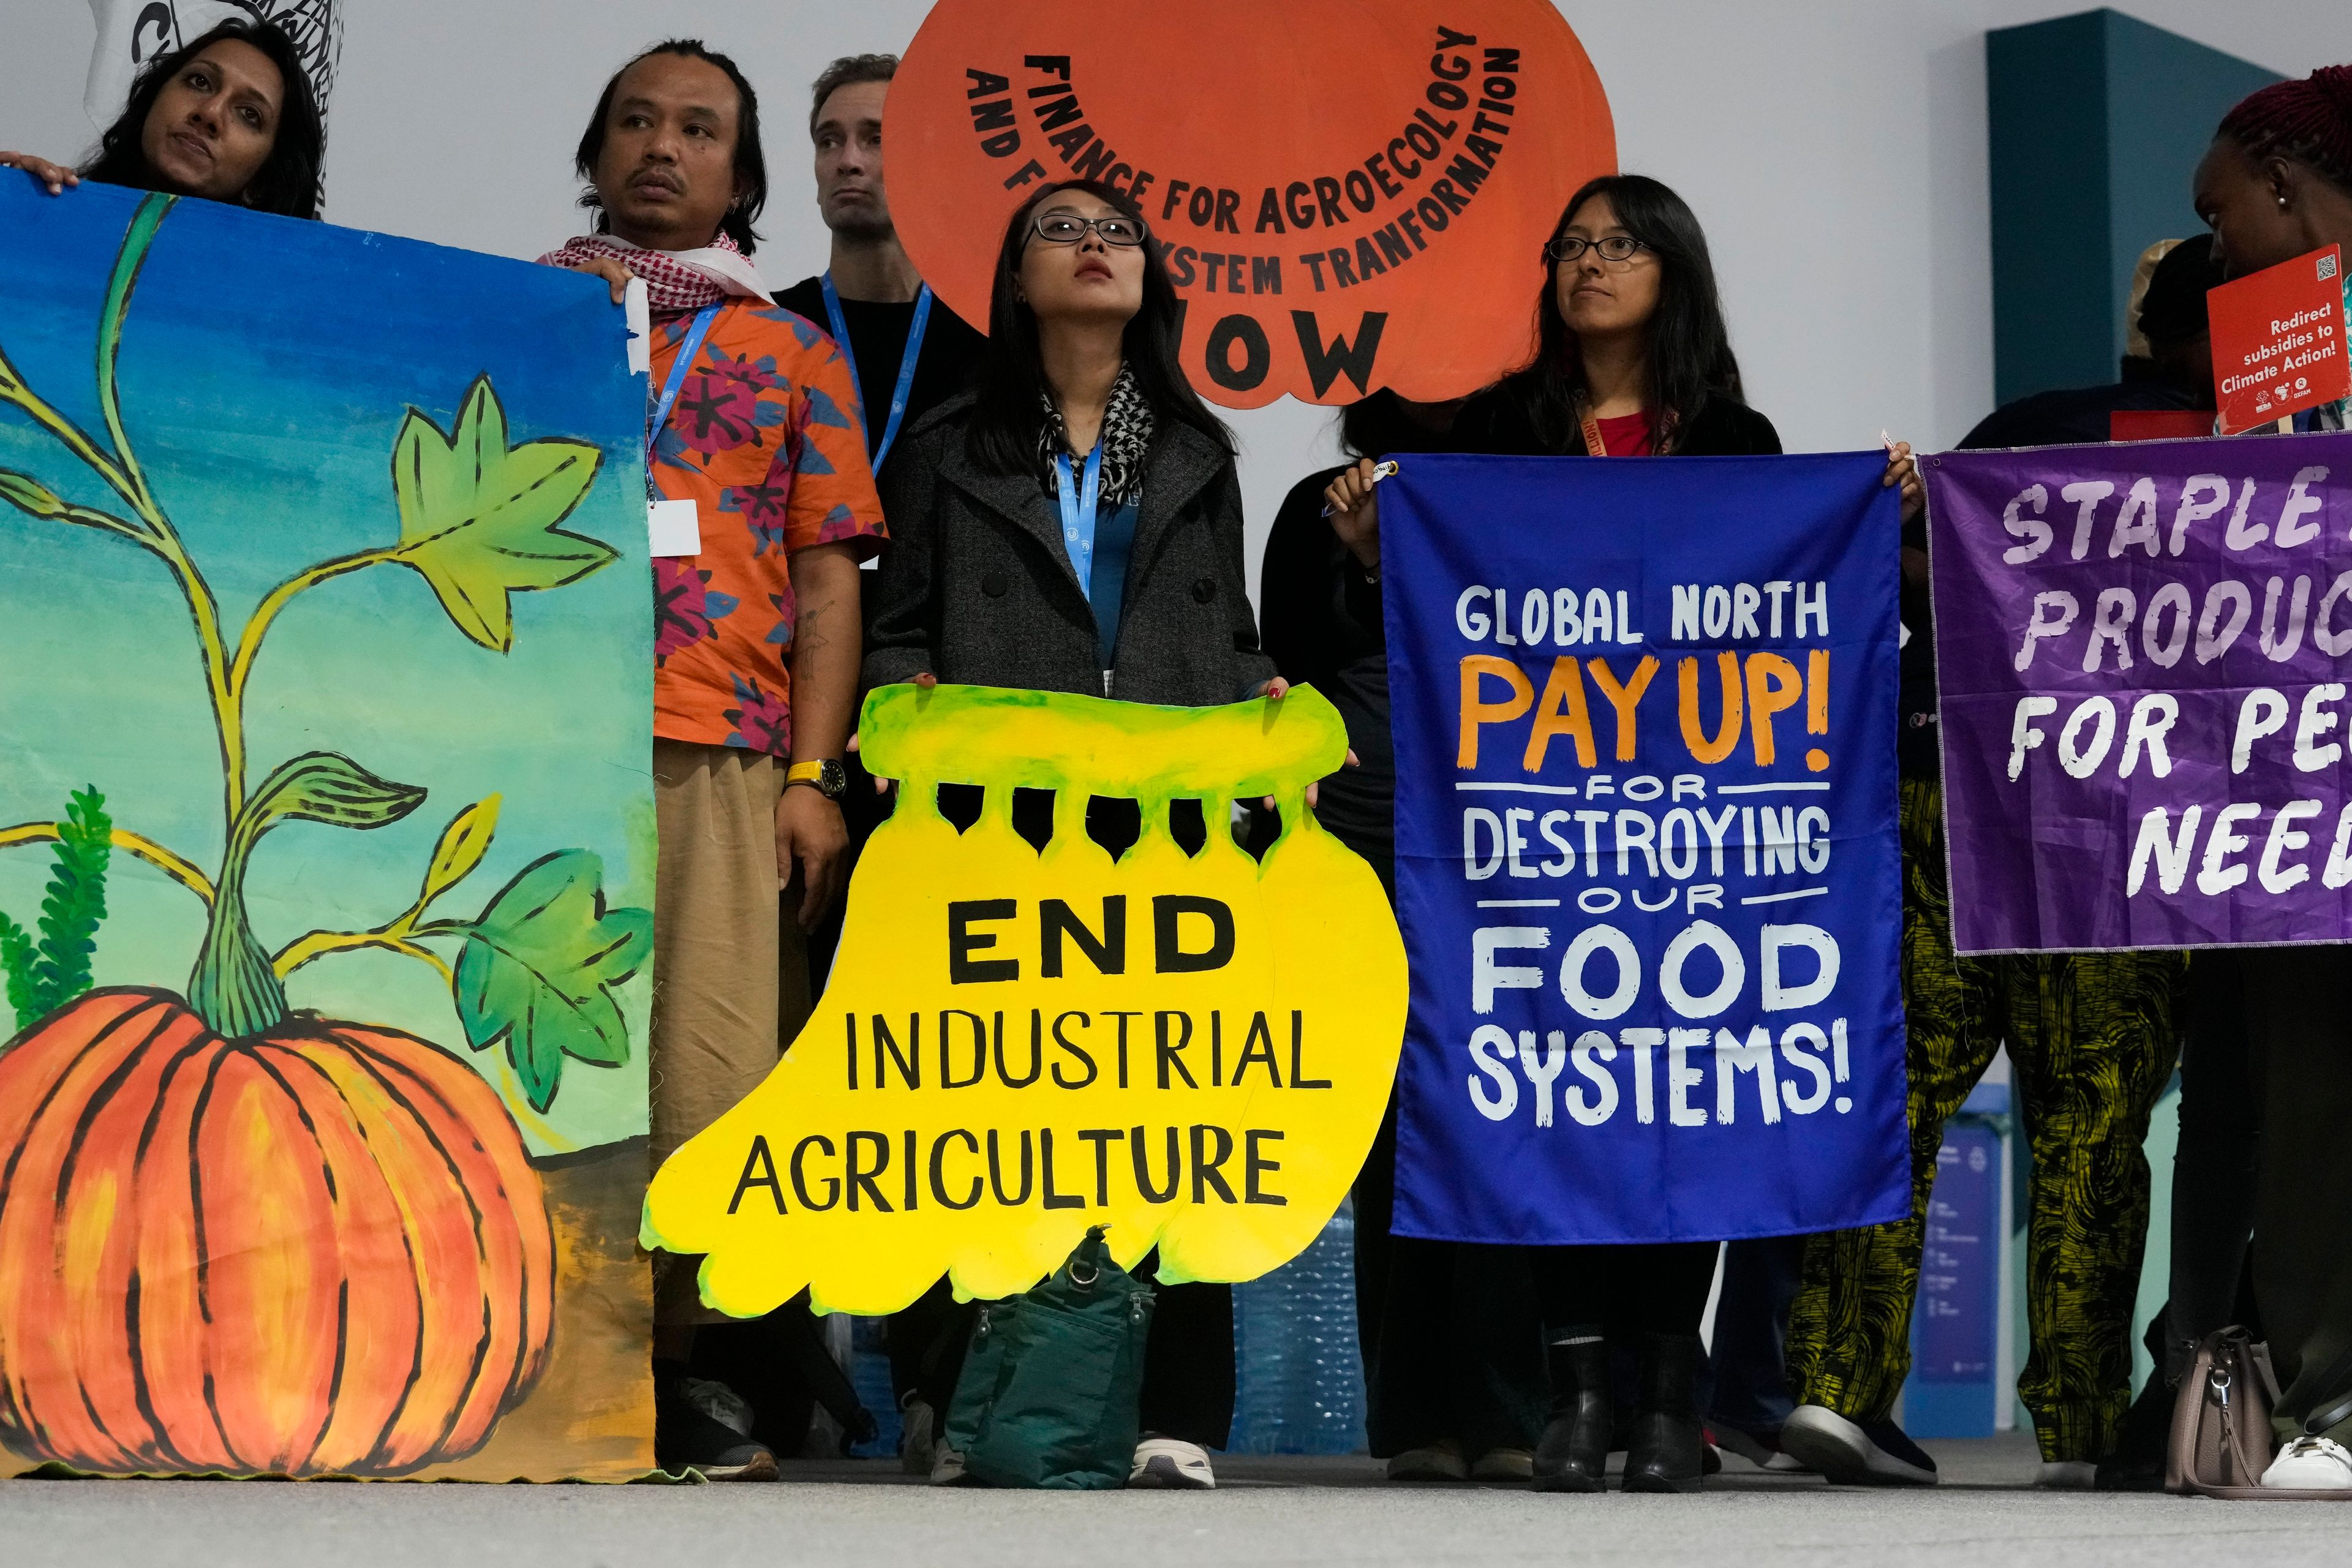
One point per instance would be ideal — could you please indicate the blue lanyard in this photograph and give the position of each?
(914, 352)
(1078, 515)
(660, 415)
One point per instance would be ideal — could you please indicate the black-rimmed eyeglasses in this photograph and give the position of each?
(1615, 247)
(1069, 228)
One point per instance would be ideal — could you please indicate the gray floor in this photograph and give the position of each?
(1268, 1511)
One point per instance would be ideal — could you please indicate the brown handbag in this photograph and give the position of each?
(2221, 1420)
(2222, 1435)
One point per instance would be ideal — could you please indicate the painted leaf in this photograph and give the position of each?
(75, 902)
(463, 844)
(28, 494)
(320, 786)
(17, 958)
(539, 969)
(477, 518)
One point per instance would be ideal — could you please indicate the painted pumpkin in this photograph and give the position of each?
(1350, 193)
(333, 1253)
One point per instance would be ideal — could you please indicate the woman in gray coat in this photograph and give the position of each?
(999, 572)
(1075, 524)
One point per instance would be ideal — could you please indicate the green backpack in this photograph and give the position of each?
(1050, 1385)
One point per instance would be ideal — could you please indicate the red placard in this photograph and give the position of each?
(2278, 341)
(2159, 423)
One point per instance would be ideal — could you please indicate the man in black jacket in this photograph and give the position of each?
(910, 353)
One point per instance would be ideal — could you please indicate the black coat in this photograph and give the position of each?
(1319, 617)
(1496, 422)
(976, 589)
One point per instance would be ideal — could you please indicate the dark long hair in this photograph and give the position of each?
(1001, 436)
(750, 162)
(1690, 349)
(286, 183)
(1379, 423)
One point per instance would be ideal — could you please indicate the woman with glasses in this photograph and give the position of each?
(1075, 524)
(1632, 359)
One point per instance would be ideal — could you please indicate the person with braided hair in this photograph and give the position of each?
(2276, 185)
(2277, 181)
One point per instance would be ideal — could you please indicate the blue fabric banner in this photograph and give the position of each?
(1647, 863)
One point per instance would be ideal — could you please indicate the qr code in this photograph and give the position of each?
(2326, 268)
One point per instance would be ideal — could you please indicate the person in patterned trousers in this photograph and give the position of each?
(2092, 1040)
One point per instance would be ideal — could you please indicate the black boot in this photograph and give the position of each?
(1667, 1450)
(1574, 1451)
(2143, 1446)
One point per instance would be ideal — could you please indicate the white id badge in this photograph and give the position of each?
(636, 311)
(674, 528)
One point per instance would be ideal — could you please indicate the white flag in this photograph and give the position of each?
(132, 32)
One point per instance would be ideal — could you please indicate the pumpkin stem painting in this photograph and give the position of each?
(238, 1234)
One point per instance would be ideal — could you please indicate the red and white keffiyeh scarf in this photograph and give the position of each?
(677, 282)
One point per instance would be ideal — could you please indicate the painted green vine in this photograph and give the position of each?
(536, 967)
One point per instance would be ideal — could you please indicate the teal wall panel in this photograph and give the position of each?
(2096, 122)
(2046, 113)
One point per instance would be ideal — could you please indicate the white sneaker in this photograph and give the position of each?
(1766, 1456)
(2066, 1475)
(918, 1441)
(1849, 1453)
(1438, 1461)
(947, 1466)
(1172, 1464)
(2310, 1464)
(1504, 1464)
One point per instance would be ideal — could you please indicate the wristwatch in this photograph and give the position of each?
(827, 777)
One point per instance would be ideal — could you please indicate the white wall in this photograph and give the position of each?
(1835, 150)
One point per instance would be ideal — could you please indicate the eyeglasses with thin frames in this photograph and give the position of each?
(1615, 247)
(1069, 228)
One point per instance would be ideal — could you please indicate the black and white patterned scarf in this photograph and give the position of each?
(1125, 441)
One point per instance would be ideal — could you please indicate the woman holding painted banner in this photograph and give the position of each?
(229, 117)
(1075, 525)
(2266, 1079)
(1632, 359)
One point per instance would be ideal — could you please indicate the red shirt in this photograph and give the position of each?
(1629, 434)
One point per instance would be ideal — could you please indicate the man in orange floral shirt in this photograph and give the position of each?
(768, 507)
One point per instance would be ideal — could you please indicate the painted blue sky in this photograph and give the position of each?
(266, 367)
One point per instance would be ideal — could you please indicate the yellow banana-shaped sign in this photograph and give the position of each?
(1193, 1049)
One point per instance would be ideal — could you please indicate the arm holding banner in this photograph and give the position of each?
(1355, 512)
(1903, 469)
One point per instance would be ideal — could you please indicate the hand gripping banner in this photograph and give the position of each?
(1646, 850)
(1188, 1047)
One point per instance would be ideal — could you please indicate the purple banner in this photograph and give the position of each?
(2142, 657)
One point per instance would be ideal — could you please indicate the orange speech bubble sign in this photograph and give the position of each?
(1350, 193)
